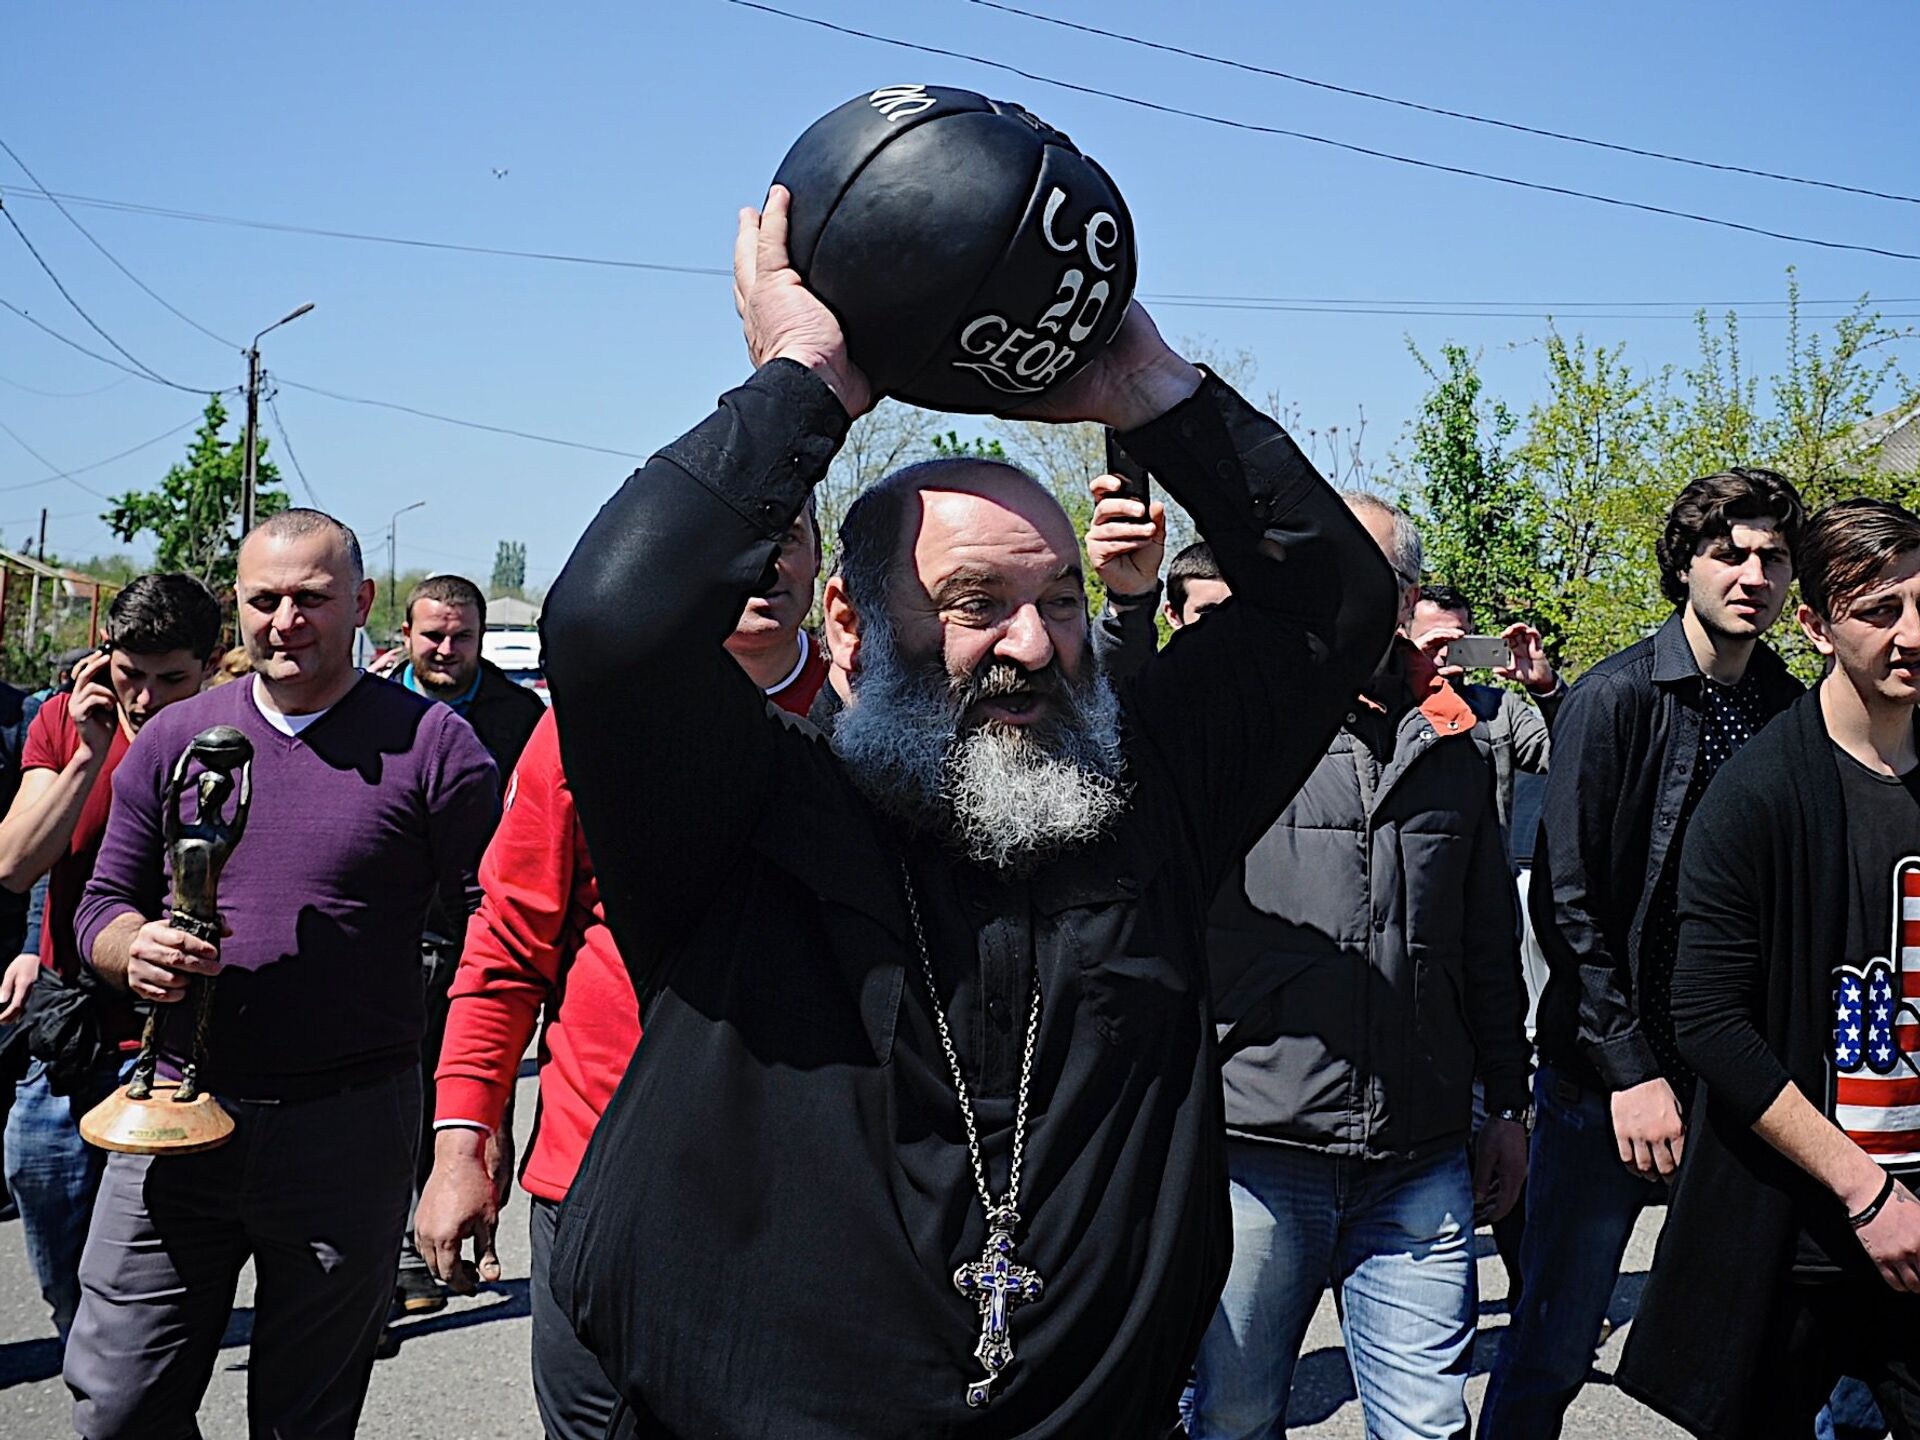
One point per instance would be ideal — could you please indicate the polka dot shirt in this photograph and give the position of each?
(1730, 716)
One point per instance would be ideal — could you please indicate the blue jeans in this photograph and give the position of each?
(1394, 1239)
(1850, 1415)
(53, 1175)
(1581, 1207)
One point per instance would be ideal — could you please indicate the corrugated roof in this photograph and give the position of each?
(1890, 441)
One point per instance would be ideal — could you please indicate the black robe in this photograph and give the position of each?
(762, 1237)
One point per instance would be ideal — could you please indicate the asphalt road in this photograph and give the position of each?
(462, 1374)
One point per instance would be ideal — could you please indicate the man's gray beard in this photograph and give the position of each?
(1007, 796)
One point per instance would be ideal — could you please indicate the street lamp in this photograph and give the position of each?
(393, 547)
(252, 474)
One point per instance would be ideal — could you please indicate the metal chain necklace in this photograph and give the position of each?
(997, 1283)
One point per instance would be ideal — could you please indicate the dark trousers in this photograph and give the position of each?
(438, 961)
(575, 1397)
(316, 1193)
(437, 965)
(1581, 1207)
(1859, 1328)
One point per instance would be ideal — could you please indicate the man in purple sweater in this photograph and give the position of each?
(366, 798)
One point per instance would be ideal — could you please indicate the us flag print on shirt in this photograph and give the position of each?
(1876, 1037)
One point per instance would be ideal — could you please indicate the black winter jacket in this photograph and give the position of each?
(1364, 957)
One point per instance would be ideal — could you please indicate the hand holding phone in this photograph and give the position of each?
(1135, 483)
(1479, 652)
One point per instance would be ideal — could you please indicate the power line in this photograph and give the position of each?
(67, 296)
(65, 394)
(111, 258)
(455, 420)
(59, 475)
(1547, 313)
(273, 409)
(1163, 109)
(337, 395)
(83, 469)
(1335, 304)
(1170, 295)
(73, 344)
(552, 256)
(1513, 125)
(29, 519)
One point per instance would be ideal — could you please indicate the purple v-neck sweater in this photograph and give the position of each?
(354, 824)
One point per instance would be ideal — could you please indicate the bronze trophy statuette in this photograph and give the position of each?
(147, 1116)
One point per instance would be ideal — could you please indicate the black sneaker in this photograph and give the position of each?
(416, 1292)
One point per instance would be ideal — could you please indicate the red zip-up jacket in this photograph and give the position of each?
(539, 938)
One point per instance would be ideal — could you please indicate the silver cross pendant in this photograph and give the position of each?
(997, 1283)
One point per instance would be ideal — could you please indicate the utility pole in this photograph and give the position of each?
(33, 603)
(393, 548)
(250, 483)
(250, 474)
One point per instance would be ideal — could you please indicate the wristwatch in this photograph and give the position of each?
(1522, 1117)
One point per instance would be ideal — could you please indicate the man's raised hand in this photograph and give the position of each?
(782, 318)
(94, 707)
(1124, 546)
(1530, 664)
(1135, 379)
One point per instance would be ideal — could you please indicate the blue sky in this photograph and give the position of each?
(634, 131)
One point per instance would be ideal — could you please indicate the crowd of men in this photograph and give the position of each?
(974, 1020)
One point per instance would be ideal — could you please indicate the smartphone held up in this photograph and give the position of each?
(1479, 652)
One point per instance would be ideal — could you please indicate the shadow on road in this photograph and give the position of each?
(516, 1305)
(25, 1361)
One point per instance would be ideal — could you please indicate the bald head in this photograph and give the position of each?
(302, 594)
(889, 521)
(301, 524)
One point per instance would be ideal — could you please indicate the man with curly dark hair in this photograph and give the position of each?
(1634, 746)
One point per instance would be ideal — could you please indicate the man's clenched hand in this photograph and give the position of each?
(458, 1204)
(1648, 1129)
(161, 960)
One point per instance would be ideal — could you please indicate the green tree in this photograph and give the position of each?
(951, 447)
(193, 513)
(1478, 518)
(509, 568)
(1590, 459)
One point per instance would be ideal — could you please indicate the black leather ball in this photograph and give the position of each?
(975, 257)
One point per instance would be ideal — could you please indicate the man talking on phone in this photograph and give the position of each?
(164, 632)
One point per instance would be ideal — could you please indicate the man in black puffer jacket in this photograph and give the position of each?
(1366, 970)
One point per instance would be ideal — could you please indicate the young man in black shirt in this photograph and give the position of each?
(1792, 1253)
(1633, 748)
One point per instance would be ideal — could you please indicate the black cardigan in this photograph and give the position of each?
(1763, 897)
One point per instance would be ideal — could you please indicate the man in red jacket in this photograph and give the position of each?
(541, 936)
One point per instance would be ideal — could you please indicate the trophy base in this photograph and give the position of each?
(159, 1125)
